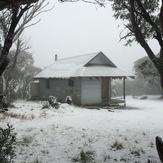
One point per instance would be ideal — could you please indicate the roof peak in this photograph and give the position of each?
(77, 56)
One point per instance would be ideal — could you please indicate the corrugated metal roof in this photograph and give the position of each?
(103, 71)
(78, 67)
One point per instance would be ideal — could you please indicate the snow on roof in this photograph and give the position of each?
(104, 71)
(79, 67)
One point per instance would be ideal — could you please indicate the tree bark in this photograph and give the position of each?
(161, 81)
(158, 62)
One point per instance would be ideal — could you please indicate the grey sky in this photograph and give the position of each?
(72, 29)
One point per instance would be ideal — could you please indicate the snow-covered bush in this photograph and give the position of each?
(52, 102)
(26, 140)
(73, 93)
(84, 157)
(117, 145)
(45, 105)
(7, 144)
(68, 100)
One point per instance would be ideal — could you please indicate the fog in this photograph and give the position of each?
(72, 29)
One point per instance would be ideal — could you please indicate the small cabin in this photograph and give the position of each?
(86, 78)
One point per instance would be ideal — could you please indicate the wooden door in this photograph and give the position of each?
(105, 90)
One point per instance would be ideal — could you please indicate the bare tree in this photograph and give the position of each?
(13, 21)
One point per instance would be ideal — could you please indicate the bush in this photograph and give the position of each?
(73, 93)
(117, 145)
(26, 140)
(84, 157)
(53, 102)
(45, 105)
(7, 144)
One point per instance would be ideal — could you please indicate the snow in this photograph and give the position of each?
(58, 136)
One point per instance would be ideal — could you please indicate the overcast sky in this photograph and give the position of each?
(72, 29)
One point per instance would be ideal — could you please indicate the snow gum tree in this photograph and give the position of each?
(17, 78)
(143, 20)
(147, 73)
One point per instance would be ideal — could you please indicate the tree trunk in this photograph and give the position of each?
(4, 61)
(161, 81)
(4, 83)
(3, 66)
(158, 62)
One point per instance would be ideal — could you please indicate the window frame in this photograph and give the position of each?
(48, 83)
(71, 82)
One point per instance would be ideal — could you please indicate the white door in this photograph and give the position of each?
(91, 91)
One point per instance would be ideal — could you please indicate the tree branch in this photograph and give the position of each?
(146, 16)
(95, 2)
(138, 33)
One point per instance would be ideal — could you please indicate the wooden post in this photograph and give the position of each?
(124, 91)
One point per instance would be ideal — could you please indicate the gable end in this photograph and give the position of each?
(100, 59)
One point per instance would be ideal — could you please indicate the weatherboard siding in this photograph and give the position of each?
(89, 89)
(56, 88)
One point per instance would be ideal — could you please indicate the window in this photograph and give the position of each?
(48, 83)
(70, 83)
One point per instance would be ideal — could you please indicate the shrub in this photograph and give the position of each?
(73, 93)
(117, 145)
(52, 102)
(45, 105)
(37, 161)
(107, 158)
(85, 157)
(7, 144)
(137, 152)
(26, 140)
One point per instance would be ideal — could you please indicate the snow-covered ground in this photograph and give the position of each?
(63, 135)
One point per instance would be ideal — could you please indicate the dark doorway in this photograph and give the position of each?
(105, 94)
